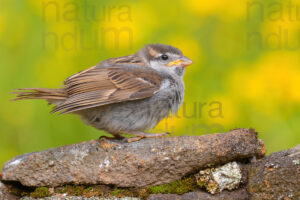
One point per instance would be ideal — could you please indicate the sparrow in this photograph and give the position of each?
(124, 95)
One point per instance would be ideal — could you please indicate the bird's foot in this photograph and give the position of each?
(141, 135)
(115, 137)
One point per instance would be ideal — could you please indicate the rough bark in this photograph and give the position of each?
(276, 176)
(151, 161)
(240, 194)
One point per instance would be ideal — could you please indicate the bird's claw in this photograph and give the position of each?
(115, 137)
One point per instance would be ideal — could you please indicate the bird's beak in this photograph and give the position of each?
(182, 61)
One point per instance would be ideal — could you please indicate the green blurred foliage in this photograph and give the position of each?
(245, 72)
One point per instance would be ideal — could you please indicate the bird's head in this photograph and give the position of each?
(163, 57)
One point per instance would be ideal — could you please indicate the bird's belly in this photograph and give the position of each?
(138, 115)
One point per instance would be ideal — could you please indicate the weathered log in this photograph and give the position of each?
(240, 194)
(151, 161)
(276, 176)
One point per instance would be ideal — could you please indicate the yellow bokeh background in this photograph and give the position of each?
(246, 70)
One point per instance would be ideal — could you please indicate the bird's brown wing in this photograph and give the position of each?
(98, 86)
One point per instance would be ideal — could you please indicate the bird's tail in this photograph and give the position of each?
(53, 96)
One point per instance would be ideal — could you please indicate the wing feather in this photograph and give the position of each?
(98, 86)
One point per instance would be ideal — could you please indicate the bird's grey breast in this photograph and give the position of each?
(172, 91)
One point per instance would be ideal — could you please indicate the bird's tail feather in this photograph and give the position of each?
(53, 96)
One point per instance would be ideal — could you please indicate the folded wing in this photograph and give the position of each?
(98, 86)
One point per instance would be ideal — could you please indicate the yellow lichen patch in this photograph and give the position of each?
(215, 180)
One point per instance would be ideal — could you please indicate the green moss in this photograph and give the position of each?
(122, 192)
(182, 186)
(73, 190)
(18, 192)
(40, 192)
(201, 184)
(83, 190)
(88, 189)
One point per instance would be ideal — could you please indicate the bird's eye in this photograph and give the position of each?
(165, 57)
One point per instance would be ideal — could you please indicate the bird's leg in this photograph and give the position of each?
(141, 135)
(115, 136)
